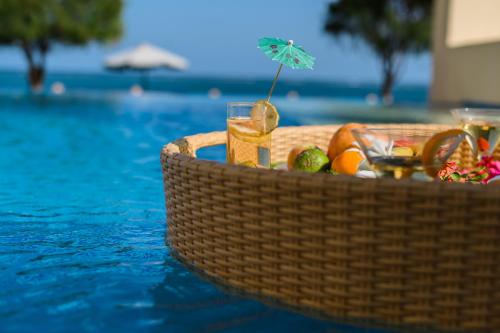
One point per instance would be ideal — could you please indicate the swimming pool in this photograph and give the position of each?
(82, 218)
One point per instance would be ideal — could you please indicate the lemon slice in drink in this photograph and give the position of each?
(439, 148)
(265, 116)
(245, 130)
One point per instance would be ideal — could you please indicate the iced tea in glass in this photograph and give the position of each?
(248, 140)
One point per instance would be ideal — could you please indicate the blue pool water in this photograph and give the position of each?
(82, 217)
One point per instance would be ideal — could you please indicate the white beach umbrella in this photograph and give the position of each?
(146, 57)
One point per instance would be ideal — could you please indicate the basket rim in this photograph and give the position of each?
(322, 179)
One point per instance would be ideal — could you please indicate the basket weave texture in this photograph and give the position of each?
(398, 252)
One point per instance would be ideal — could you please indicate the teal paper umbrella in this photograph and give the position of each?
(286, 53)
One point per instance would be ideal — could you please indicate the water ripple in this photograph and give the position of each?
(82, 221)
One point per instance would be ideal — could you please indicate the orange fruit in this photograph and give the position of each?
(342, 140)
(348, 162)
(292, 155)
(439, 148)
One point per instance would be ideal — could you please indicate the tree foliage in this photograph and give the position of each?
(391, 28)
(36, 25)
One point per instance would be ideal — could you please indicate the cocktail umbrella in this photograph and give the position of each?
(286, 53)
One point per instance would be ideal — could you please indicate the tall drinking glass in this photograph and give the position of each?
(247, 143)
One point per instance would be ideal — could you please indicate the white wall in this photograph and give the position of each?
(466, 49)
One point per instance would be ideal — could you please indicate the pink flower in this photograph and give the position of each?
(485, 170)
(492, 167)
(447, 170)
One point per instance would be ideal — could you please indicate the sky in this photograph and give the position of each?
(219, 37)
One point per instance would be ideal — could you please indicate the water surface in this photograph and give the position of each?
(82, 217)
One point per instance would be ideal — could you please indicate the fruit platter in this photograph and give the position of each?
(359, 150)
(320, 233)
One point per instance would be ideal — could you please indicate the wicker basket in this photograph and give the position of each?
(398, 252)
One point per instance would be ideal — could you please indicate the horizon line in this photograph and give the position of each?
(158, 74)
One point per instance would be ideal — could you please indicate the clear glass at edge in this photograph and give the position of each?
(484, 127)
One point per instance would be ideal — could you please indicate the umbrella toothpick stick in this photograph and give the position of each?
(274, 82)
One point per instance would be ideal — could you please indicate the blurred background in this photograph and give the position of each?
(219, 42)
(91, 90)
(375, 52)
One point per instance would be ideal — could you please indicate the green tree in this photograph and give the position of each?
(37, 25)
(391, 28)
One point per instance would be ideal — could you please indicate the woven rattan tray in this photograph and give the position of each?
(398, 252)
